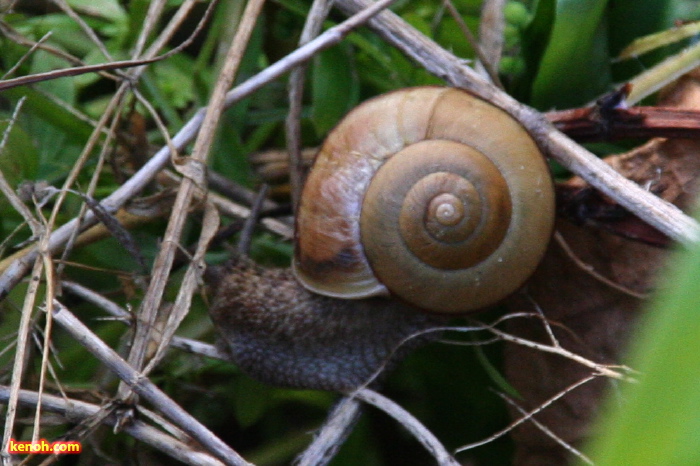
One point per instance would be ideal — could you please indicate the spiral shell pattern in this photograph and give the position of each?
(427, 194)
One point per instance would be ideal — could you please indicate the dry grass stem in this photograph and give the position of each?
(159, 123)
(19, 39)
(175, 22)
(98, 300)
(527, 416)
(33, 47)
(190, 283)
(46, 347)
(91, 187)
(483, 65)
(246, 237)
(332, 434)
(75, 71)
(194, 179)
(545, 322)
(312, 27)
(232, 209)
(199, 348)
(601, 369)
(155, 10)
(119, 313)
(21, 351)
(109, 112)
(235, 191)
(75, 410)
(143, 387)
(92, 35)
(545, 429)
(492, 26)
(592, 272)
(613, 371)
(409, 422)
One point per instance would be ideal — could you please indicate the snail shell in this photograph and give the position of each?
(428, 194)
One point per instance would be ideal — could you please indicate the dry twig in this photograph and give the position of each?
(14, 273)
(529, 416)
(332, 434)
(545, 429)
(413, 425)
(75, 410)
(144, 387)
(314, 22)
(192, 169)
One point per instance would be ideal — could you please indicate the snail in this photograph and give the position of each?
(429, 196)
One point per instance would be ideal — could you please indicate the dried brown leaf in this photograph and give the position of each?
(593, 318)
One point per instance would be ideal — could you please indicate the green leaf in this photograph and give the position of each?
(174, 80)
(452, 37)
(657, 40)
(62, 88)
(75, 129)
(535, 39)
(631, 19)
(657, 421)
(575, 66)
(107, 9)
(18, 159)
(252, 401)
(65, 32)
(271, 250)
(335, 88)
(496, 375)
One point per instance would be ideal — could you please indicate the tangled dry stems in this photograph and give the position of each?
(36, 261)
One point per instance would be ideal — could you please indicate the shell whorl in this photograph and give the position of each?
(429, 194)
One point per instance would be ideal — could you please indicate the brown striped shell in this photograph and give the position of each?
(428, 194)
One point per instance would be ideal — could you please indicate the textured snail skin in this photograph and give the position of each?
(428, 194)
(281, 334)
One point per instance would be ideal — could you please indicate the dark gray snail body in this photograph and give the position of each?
(429, 195)
(282, 334)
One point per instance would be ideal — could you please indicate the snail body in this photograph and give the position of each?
(280, 333)
(428, 194)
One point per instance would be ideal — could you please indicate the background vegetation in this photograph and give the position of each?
(558, 54)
